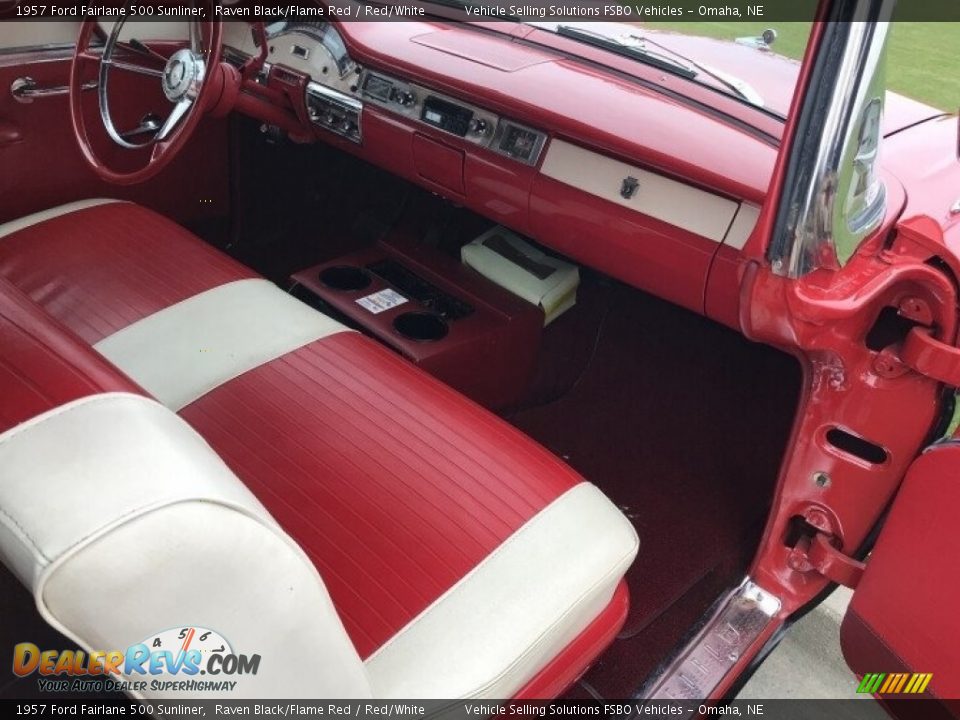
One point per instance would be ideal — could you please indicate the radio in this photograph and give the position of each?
(334, 111)
(474, 124)
(446, 115)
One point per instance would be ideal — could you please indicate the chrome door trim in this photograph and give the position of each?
(848, 59)
(729, 632)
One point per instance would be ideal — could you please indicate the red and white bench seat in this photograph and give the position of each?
(449, 555)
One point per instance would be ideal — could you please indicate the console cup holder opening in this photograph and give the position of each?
(421, 326)
(345, 277)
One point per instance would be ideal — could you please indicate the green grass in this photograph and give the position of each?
(923, 61)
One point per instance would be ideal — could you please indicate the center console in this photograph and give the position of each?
(440, 315)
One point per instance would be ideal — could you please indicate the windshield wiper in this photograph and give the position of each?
(634, 51)
(731, 82)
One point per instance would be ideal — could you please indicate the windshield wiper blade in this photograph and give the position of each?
(740, 87)
(635, 52)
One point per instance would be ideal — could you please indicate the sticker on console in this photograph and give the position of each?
(382, 300)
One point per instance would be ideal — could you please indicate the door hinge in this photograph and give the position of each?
(931, 357)
(818, 554)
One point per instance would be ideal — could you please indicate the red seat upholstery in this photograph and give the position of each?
(101, 268)
(43, 365)
(392, 483)
(400, 490)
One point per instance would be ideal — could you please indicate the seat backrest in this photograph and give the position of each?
(127, 527)
(43, 364)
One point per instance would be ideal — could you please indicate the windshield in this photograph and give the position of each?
(755, 63)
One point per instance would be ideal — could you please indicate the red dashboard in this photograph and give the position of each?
(638, 182)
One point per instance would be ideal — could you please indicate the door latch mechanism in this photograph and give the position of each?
(816, 552)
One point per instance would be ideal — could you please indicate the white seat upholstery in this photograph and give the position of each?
(182, 352)
(124, 523)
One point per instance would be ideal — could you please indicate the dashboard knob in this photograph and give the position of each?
(479, 126)
(403, 97)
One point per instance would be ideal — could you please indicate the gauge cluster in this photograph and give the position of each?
(315, 49)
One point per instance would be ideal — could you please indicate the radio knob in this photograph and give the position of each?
(404, 98)
(479, 126)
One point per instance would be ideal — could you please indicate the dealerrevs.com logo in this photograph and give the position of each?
(189, 659)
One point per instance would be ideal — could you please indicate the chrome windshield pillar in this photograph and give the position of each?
(833, 197)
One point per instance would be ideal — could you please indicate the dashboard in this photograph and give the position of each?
(338, 87)
(547, 147)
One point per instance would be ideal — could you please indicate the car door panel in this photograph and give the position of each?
(903, 616)
(43, 164)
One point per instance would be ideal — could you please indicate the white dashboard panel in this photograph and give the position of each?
(697, 211)
(743, 226)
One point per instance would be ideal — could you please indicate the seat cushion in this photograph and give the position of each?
(104, 266)
(461, 557)
(393, 483)
(145, 529)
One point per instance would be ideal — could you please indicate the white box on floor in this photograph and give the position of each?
(512, 263)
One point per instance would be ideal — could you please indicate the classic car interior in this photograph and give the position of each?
(279, 347)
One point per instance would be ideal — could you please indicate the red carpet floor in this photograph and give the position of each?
(683, 424)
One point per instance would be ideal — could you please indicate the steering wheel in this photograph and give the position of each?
(190, 78)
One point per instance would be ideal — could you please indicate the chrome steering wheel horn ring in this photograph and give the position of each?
(181, 81)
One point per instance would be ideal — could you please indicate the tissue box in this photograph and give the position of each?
(512, 263)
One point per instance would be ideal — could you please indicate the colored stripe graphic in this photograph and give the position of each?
(871, 682)
(894, 683)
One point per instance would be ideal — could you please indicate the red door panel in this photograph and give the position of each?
(43, 167)
(903, 616)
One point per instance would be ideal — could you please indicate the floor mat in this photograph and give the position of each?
(682, 423)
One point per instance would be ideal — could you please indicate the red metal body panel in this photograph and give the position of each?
(824, 319)
(925, 160)
(903, 616)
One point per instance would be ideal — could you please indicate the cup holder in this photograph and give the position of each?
(345, 277)
(421, 326)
